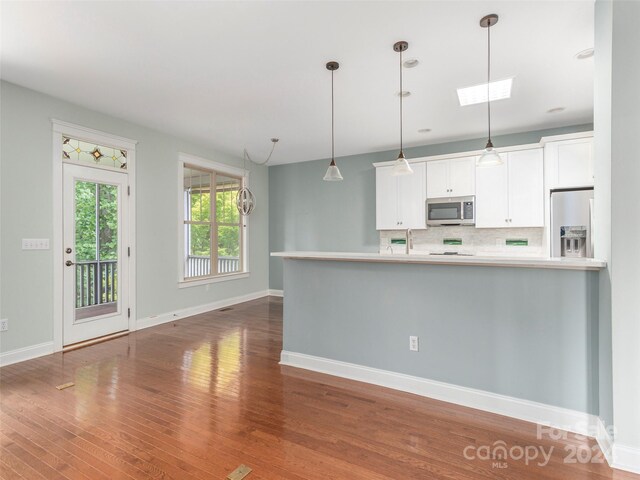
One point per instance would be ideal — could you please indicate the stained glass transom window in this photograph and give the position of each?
(79, 151)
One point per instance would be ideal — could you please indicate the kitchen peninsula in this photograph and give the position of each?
(513, 335)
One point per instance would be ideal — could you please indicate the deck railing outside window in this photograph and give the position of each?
(197, 266)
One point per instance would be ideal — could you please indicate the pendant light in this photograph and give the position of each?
(333, 173)
(245, 199)
(489, 157)
(401, 167)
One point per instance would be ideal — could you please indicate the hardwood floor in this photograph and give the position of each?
(196, 398)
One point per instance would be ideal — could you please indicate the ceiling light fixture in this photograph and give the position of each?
(401, 166)
(556, 110)
(411, 63)
(333, 173)
(424, 130)
(584, 54)
(498, 90)
(489, 157)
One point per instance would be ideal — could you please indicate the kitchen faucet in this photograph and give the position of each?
(408, 240)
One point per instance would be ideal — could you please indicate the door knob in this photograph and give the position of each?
(68, 250)
(68, 263)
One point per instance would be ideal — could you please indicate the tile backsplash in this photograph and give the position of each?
(477, 241)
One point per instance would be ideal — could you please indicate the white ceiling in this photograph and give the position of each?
(234, 74)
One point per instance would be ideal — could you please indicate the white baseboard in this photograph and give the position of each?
(626, 458)
(605, 441)
(26, 353)
(154, 320)
(276, 293)
(554, 417)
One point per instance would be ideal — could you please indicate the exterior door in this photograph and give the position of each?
(95, 214)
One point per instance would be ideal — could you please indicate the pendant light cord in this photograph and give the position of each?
(246, 155)
(332, 115)
(401, 101)
(489, 77)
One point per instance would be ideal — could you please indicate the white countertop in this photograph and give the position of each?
(477, 260)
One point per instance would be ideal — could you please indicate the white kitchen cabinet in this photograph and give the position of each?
(511, 195)
(438, 179)
(455, 177)
(400, 201)
(492, 196)
(569, 163)
(526, 188)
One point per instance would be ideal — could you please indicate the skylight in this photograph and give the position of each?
(498, 90)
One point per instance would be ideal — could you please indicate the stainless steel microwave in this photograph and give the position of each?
(451, 211)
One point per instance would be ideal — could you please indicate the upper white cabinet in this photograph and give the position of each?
(569, 163)
(400, 201)
(511, 195)
(451, 178)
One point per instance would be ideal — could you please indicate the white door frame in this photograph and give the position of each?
(61, 128)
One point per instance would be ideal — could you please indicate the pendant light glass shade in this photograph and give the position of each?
(401, 166)
(489, 157)
(333, 173)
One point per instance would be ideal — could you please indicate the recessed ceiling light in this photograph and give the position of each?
(404, 93)
(424, 130)
(556, 110)
(498, 90)
(584, 54)
(412, 62)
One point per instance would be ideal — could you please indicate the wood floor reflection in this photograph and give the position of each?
(196, 398)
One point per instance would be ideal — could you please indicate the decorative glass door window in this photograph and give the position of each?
(212, 229)
(83, 153)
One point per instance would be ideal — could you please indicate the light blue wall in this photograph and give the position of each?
(26, 287)
(527, 333)
(309, 214)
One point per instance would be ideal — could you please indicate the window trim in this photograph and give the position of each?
(223, 169)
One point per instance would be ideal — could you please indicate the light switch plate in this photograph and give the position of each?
(413, 343)
(35, 244)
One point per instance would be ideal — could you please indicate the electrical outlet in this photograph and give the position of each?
(4, 325)
(413, 343)
(35, 244)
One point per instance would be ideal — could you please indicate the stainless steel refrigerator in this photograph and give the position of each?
(572, 223)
